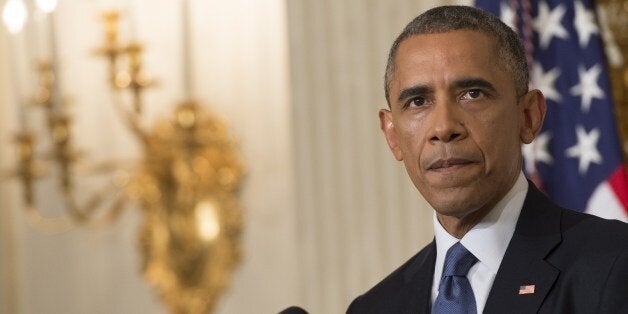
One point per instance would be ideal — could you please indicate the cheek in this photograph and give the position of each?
(411, 139)
(500, 143)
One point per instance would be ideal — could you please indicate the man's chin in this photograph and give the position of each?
(454, 210)
(454, 203)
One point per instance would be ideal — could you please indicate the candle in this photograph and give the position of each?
(14, 16)
(32, 45)
(39, 35)
(186, 51)
(48, 7)
(43, 26)
(17, 76)
(54, 61)
(132, 12)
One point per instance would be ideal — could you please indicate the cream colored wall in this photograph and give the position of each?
(328, 210)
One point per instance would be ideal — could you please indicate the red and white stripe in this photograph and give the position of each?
(610, 198)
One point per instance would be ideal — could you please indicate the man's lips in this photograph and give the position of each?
(442, 164)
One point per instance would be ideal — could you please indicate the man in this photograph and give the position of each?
(457, 89)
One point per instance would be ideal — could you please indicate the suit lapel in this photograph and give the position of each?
(415, 296)
(536, 234)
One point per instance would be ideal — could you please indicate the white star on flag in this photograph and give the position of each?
(546, 81)
(537, 151)
(588, 87)
(585, 24)
(548, 24)
(585, 149)
(507, 15)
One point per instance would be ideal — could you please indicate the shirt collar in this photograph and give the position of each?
(487, 240)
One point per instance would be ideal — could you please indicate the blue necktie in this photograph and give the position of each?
(454, 292)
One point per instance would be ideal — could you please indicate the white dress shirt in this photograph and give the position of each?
(487, 241)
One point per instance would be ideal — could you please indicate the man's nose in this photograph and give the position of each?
(446, 123)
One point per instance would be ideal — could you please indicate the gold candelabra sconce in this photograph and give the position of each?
(186, 183)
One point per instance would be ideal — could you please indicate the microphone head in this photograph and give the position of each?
(293, 310)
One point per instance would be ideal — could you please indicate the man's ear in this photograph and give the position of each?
(533, 114)
(388, 127)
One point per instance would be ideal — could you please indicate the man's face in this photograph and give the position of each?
(456, 121)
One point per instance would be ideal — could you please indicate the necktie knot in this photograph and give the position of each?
(455, 294)
(458, 261)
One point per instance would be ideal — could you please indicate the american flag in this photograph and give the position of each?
(576, 158)
(529, 289)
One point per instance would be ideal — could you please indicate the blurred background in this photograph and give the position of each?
(327, 211)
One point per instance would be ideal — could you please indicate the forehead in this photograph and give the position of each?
(442, 57)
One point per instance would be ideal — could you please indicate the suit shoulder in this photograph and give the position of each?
(403, 272)
(593, 262)
(384, 296)
(593, 230)
(589, 240)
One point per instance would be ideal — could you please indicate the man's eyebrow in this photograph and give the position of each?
(473, 82)
(414, 90)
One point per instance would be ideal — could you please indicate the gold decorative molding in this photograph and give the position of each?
(614, 14)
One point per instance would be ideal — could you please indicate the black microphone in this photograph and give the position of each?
(293, 310)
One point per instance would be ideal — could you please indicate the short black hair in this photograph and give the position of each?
(449, 18)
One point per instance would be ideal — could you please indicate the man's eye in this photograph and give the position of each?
(472, 94)
(418, 101)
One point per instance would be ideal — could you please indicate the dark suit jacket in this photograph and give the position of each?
(577, 262)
